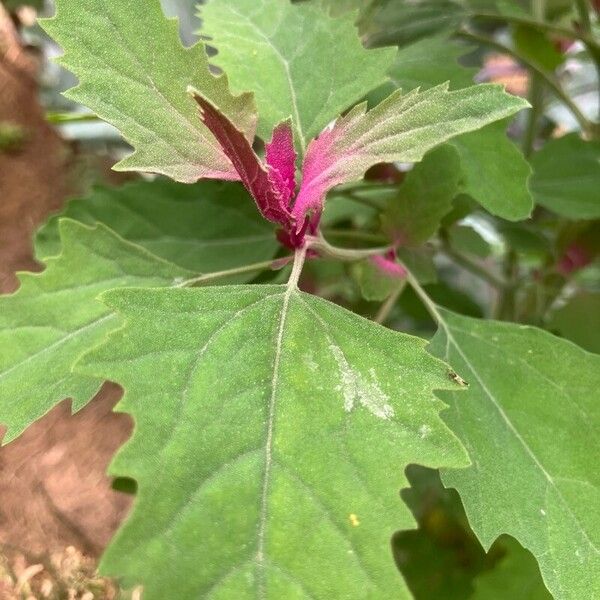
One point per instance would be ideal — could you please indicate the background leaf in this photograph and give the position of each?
(206, 227)
(566, 176)
(134, 73)
(292, 435)
(426, 195)
(301, 62)
(54, 317)
(527, 422)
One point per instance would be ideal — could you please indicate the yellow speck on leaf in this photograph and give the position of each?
(354, 521)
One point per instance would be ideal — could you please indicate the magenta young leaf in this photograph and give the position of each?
(260, 180)
(281, 156)
(401, 128)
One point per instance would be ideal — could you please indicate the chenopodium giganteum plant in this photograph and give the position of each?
(272, 427)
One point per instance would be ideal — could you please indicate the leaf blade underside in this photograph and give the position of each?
(292, 438)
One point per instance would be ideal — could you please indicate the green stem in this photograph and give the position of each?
(549, 79)
(506, 307)
(57, 118)
(321, 245)
(536, 99)
(390, 302)
(571, 34)
(586, 24)
(259, 266)
(474, 267)
(429, 304)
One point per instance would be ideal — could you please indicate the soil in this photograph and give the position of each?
(53, 489)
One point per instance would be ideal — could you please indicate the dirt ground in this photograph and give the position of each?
(53, 489)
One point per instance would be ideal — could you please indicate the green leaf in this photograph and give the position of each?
(579, 320)
(535, 46)
(566, 172)
(54, 317)
(390, 22)
(517, 576)
(134, 73)
(292, 65)
(495, 173)
(341, 7)
(527, 421)
(467, 239)
(374, 283)
(414, 215)
(268, 465)
(441, 558)
(431, 61)
(204, 227)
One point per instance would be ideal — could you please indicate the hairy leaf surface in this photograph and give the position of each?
(301, 62)
(204, 227)
(272, 431)
(134, 73)
(54, 317)
(528, 422)
(401, 128)
(494, 171)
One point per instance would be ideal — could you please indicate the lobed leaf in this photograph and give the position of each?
(527, 421)
(268, 465)
(206, 227)
(300, 61)
(134, 73)
(401, 128)
(54, 317)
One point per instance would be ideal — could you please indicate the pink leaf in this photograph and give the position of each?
(402, 128)
(256, 177)
(281, 157)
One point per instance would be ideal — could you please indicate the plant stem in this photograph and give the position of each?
(586, 24)
(259, 266)
(474, 267)
(424, 297)
(299, 258)
(585, 36)
(57, 118)
(506, 307)
(387, 307)
(321, 245)
(548, 78)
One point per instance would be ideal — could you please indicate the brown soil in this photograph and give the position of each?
(53, 488)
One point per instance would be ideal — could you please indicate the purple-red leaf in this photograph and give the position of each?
(281, 156)
(400, 129)
(255, 176)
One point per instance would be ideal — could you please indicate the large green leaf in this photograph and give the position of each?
(134, 72)
(529, 422)
(426, 195)
(204, 227)
(272, 431)
(54, 317)
(566, 177)
(296, 59)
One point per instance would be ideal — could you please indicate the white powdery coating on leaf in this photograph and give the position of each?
(354, 387)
